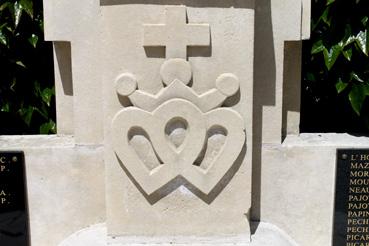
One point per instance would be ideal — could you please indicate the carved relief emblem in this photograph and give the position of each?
(177, 133)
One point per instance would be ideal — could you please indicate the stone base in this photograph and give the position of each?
(65, 185)
(265, 234)
(295, 189)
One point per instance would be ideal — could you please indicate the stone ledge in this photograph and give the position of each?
(65, 185)
(36, 141)
(95, 235)
(339, 140)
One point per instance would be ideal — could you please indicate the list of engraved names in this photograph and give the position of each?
(358, 201)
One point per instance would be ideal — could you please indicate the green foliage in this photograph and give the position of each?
(339, 52)
(26, 91)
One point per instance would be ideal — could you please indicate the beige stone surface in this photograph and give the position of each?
(298, 184)
(169, 196)
(65, 185)
(147, 54)
(63, 88)
(66, 188)
(292, 88)
(306, 19)
(77, 22)
(95, 235)
(276, 23)
(176, 34)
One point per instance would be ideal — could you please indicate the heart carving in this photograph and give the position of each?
(175, 131)
(177, 154)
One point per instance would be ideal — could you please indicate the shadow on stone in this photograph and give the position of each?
(179, 181)
(264, 84)
(195, 3)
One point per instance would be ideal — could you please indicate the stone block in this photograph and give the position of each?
(65, 185)
(178, 124)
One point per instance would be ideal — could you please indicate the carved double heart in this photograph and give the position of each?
(178, 161)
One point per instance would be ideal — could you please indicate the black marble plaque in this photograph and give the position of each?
(351, 217)
(13, 200)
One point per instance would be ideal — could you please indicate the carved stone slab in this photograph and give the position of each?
(178, 82)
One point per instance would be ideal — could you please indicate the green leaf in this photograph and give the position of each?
(18, 10)
(33, 40)
(357, 96)
(5, 107)
(349, 40)
(310, 77)
(21, 24)
(347, 54)
(42, 112)
(41, 24)
(3, 38)
(326, 17)
(20, 63)
(362, 40)
(317, 47)
(37, 88)
(364, 20)
(14, 83)
(5, 5)
(349, 37)
(356, 77)
(21, 6)
(46, 95)
(26, 114)
(330, 57)
(330, 2)
(49, 127)
(27, 6)
(340, 86)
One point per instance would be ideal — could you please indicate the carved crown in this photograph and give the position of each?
(176, 75)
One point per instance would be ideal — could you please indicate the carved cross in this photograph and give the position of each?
(176, 35)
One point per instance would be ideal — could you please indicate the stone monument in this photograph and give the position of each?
(178, 124)
(176, 154)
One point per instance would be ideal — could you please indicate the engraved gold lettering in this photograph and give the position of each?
(358, 205)
(2, 160)
(359, 165)
(359, 190)
(358, 201)
(357, 244)
(358, 214)
(3, 199)
(364, 157)
(354, 164)
(359, 181)
(355, 229)
(2, 168)
(357, 237)
(358, 222)
(360, 198)
(359, 174)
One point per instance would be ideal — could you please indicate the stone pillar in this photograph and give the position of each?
(74, 25)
